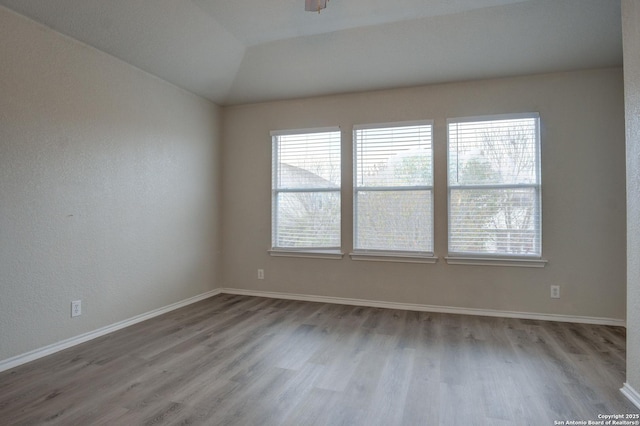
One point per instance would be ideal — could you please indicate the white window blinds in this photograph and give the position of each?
(494, 186)
(306, 189)
(393, 188)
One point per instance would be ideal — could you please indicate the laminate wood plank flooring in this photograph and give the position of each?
(240, 360)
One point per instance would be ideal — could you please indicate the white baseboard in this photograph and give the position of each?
(429, 308)
(631, 394)
(67, 343)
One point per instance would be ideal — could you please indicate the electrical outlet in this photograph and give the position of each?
(76, 308)
(261, 274)
(555, 292)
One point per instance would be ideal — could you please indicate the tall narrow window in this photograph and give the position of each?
(393, 188)
(306, 189)
(494, 186)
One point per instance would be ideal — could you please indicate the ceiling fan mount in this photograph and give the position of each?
(315, 5)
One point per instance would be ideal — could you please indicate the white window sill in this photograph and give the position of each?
(497, 261)
(394, 257)
(313, 254)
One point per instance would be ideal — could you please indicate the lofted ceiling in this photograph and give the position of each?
(243, 51)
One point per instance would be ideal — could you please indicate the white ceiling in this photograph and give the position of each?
(241, 51)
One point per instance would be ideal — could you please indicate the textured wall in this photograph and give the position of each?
(631, 42)
(109, 184)
(583, 178)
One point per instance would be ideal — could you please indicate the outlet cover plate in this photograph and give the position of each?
(76, 308)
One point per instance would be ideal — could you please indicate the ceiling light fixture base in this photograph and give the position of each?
(315, 5)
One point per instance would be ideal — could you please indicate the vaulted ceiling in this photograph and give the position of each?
(242, 51)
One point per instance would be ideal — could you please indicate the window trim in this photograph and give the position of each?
(522, 262)
(329, 252)
(497, 259)
(393, 256)
(307, 253)
(383, 255)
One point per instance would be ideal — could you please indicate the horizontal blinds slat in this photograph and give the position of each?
(307, 220)
(306, 190)
(395, 221)
(494, 187)
(304, 131)
(493, 152)
(307, 160)
(394, 156)
(393, 124)
(393, 187)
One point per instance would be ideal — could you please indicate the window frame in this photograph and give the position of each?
(328, 252)
(390, 255)
(496, 258)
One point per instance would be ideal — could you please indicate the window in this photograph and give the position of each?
(494, 186)
(393, 188)
(306, 190)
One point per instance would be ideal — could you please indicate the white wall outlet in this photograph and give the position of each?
(76, 308)
(261, 274)
(555, 292)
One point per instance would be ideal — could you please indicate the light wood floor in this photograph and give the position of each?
(237, 360)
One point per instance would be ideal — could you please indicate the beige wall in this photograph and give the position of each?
(631, 42)
(583, 169)
(109, 192)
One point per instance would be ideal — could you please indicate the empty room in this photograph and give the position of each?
(310, 212)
